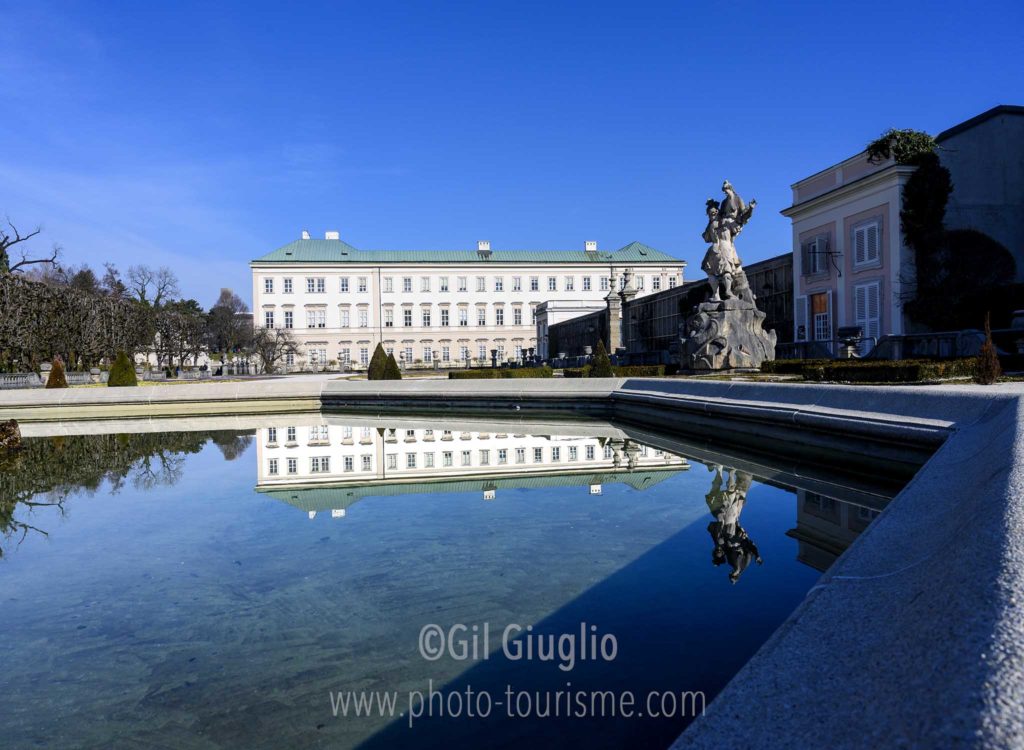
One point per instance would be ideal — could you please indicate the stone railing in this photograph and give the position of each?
(20, 380)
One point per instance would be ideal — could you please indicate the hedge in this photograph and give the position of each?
(624, 371)
(791, 366)
(889, 371)
(495, 373)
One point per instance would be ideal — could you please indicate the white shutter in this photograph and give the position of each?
(860, 304)
(859, 246)
(871, 242)
(874, 310)
(829, 328)
(800, 331)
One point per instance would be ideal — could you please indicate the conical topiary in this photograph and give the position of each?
(122, 373)
(57, 377)
(391, 370)
(378, 364)
(601, 367)
(987, 369)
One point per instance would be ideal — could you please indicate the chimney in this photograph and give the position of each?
(335, 235)
(590, 246)
(305, 234)
(483, 246)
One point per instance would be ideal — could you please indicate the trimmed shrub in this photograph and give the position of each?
(790, 366)
(378, 364)
(889, 371)
(57, 377)
(495, 373)
(987, 370)
(623, 371)
(391, 370)
(122, 372)
(601, 367)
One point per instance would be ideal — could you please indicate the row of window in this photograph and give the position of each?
(816, 254)
(317, 317)
(318, 284)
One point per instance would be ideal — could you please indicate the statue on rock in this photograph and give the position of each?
(726, 332)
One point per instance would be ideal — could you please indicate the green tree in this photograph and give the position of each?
(57, 378)
(391, 369)
(988, 370)
(378, 364)
(601, 367)
(122, 373)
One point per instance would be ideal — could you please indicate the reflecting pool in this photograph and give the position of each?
(327, 581)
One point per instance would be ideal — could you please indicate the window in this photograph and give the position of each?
(293, 466)
(428, 354)
(586, 283)
(640, 283)
(442, 284)
(349, 463)
(345, 355)
(533, 315)
(367, 463)
(268, 286)
(672, 282)
(556, 454)
(814, 255)
(604, 283)
(485, 457)
(462, 283)
(428, 460)
(518, 351)
(446, 353)
(425, 314)
(289, 319)
(481, 316)
(389, 284)
(463, 316)
(407, 354)
(272, 467)
(865, 243)
(499, 284)
(446, 458)
(481, 283)
(346, 317)
(407, 284)
(290, 433)
(464, 353)
(467, 458)
(346, 434)
(318, 433)
(410, 460)
(552, 284)
(317, 357)
(517, 316)
(268, 318)
(590, 453)
(271, 435)
(868, 312)
(500, 352)
(407, 317)
(655, 283)
(425, 284)
(364, 318)
(574, 453)
(444, 317)
(534, 283)
(316, 285)
(538, 455)
(319, 464)
(499, 316)
(316, 318)
(502, 455)
(570, 283)
(517, 283)
(362, 283)
(288, 286)
(520, 455)
(481, 351)
(364, 356)
(389, 317)
(392, 460)
(344, 283)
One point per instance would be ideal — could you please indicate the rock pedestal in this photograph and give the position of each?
(726, 335)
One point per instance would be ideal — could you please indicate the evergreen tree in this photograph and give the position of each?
(57, 378)
(601, 367)
(391, 370)
(378, 364)
(122, 373)
(988, 369)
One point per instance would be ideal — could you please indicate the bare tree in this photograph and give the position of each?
(152, 286)
(9, 237)
(112, 284)
(229, 328)
(272, 345)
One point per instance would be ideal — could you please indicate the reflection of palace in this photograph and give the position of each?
(826, 526)
(321, 467)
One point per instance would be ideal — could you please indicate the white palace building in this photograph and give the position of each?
(431, 307)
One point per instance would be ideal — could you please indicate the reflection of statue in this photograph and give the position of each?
(725, 501)
(726, 332)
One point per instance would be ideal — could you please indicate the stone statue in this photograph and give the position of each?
(726, 331)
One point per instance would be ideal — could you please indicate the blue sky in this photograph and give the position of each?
(200, 135)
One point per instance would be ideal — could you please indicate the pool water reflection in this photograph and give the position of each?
(150, 594)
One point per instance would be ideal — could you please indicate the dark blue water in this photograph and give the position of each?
(164, 591)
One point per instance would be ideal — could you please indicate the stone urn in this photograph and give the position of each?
(94, 375)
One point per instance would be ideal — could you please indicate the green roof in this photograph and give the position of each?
(338, 251)
(328, 497)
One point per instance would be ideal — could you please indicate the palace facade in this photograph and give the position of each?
(432, 308)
